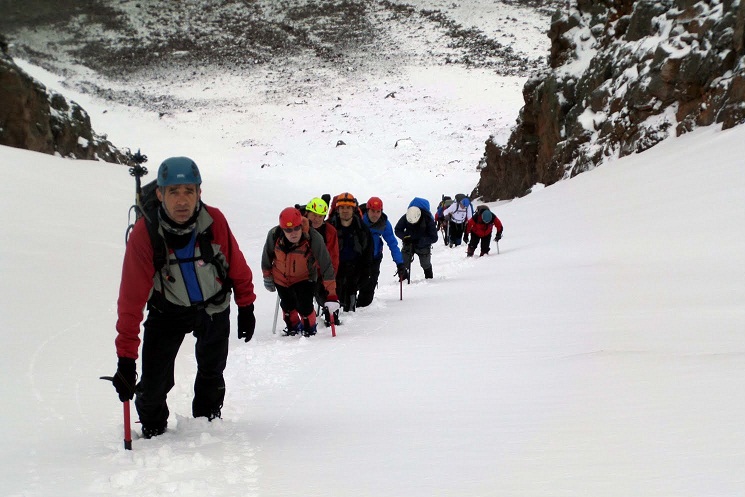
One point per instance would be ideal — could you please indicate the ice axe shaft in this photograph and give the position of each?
(127, 424)
(127, 427)
(276, 313)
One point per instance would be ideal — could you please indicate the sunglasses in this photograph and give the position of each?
(290, 230)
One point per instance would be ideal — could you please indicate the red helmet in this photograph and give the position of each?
(290, 217)
(375, 204)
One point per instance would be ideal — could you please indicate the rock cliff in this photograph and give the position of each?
(35, 118)
(623, 76)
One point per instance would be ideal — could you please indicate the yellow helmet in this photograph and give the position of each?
(317, 206)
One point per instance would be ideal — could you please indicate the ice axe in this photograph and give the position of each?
(127, 426)
(276, 313)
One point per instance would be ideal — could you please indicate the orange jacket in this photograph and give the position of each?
(288, 263)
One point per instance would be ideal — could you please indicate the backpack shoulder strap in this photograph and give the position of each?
(160, 249)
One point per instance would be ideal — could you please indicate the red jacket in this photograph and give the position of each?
(481, 229)
(332, 245)
(138, 276)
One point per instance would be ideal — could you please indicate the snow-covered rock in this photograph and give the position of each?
(624, 75)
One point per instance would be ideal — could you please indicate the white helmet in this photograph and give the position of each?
(413, 214)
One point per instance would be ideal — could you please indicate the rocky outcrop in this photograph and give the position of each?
(35, 118)
(623, 76)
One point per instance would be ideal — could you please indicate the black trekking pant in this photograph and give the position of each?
(456, 232)
(162, 338)
(367, 287)
(297, 297)
(473, 242)
(349, 279)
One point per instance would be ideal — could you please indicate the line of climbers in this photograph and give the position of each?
(182, 263)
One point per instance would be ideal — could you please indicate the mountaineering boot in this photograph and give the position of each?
(216, 414)
(288, 323)
(470, 251)
(298, 328)
(428, 273)
(152, 431)
(292, 329)
(308, 329)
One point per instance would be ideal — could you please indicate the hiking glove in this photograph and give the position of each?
(246, 322)
(403, 273)
(465, 237)
(125, 378)
(332, 303)
(269, 284)
(498, 236)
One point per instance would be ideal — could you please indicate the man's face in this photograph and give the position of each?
(373, 215)
(180, 201)
(316, 220)
(293, 234)
(345, 213)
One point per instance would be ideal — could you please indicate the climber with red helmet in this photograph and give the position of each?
(381, 230)
(293, 258)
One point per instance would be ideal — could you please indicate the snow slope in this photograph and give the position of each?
(600, 353)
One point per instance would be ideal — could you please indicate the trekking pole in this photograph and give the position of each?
(497, 247)
(276, 313)
(127, 426)
(400, 289)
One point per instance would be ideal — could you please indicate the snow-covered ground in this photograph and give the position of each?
(600, 353)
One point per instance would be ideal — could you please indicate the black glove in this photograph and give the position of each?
(407, 239)
(402, 272)
(246, 322)
(125, 378)
(465, 237)
(498, 236)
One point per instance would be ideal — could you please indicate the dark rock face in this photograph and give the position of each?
(34, 118)
(623, 76)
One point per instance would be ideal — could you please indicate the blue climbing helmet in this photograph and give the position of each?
(487, 216)
(178, 171)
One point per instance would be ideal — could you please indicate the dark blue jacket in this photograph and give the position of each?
(423, 233)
